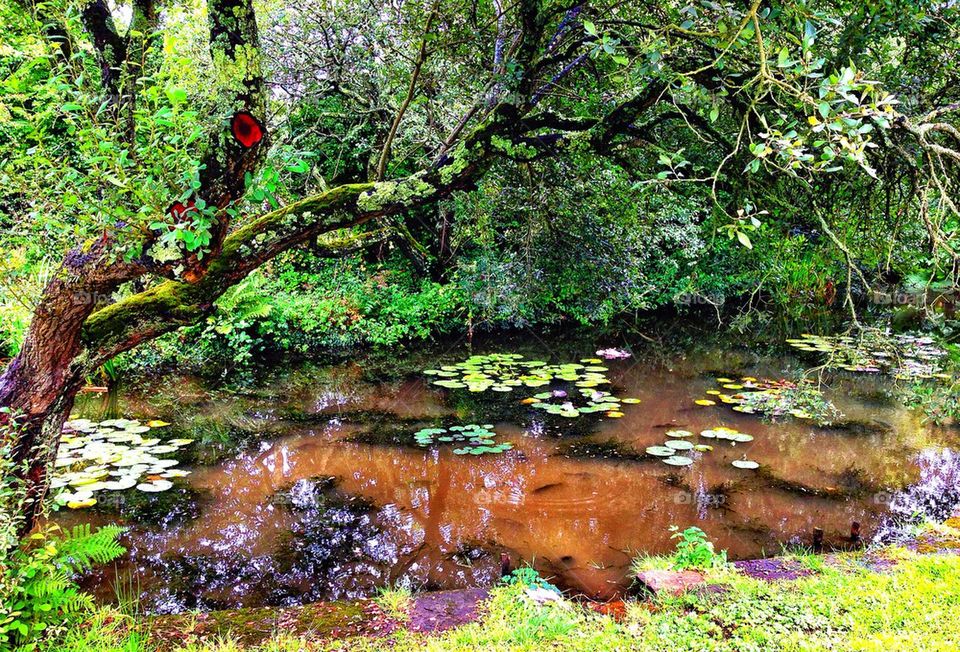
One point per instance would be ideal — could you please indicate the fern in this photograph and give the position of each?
(40, 593)
(81, 550)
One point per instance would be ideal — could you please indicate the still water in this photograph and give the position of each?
(308, 484)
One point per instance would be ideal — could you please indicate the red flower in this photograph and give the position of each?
(178, 210)
(246, 129)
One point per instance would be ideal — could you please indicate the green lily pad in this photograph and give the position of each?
(660, 451)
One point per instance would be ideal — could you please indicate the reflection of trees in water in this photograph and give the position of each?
(933, 497)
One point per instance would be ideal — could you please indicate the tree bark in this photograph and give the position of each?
(39, 387)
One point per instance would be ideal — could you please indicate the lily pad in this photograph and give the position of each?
(678, 460)
(745, 464)
(660, 451)
(155, 486)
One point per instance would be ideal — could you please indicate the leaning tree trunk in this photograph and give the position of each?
(39, 386)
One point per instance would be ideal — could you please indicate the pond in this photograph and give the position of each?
(311, 484)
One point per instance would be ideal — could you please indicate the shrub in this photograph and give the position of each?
(694, 550)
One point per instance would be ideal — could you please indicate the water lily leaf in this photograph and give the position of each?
(155, 486)
(679, 434)
(679, 445)
(660, 451)
(678, 460)
(745, 464)
(705, 402)
(156, 423)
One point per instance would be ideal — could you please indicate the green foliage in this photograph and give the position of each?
(528, 577)
(694, 550)
(39, 594)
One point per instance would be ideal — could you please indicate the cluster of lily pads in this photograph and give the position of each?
(474, 439)
(899, 355)
(772, 398)
(671, 452)
(561, 403)
(112, 455)
(503, 372)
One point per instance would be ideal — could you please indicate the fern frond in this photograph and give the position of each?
(80, 549)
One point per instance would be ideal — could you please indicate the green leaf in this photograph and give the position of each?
(824, 109)
(744, 239)
(590, 27)
(176, 95)
(783, 59)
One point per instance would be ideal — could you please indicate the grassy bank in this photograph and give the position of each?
(887, 599)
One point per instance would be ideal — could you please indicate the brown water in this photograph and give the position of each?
(249, 527)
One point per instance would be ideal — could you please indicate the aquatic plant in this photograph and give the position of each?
(112, 455)
(502, 372)
(774, 398)
(474, 439)
(669, 451)
(613, 354)
(585, 400)
(902, 356)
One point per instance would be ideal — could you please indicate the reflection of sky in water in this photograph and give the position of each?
(432, 519)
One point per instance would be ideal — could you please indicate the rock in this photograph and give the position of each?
(543, 596)
(670, 582)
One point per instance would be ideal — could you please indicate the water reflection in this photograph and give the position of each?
(324, 495)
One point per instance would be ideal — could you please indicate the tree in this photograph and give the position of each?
(453, 87)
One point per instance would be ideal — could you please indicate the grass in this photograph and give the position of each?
(396, 601)
(910, 607)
